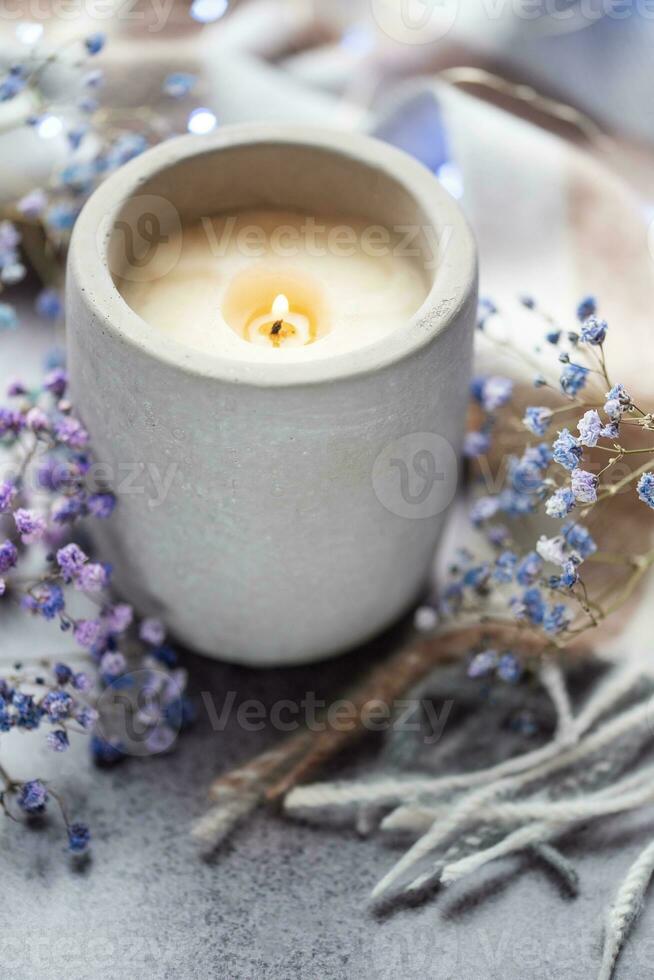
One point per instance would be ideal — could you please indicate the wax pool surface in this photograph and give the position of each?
(368, 285)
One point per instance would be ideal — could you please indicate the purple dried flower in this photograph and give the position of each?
(87, 632)
(112, 665)
(82, 682)
(36, 420)
(11, 422)
(33, 797)
(101, 505)
(58, 740)
(152, 631)
(56, 381)
(7, 496)
(584, 486)
(8, 556)
(86, 718)
(118, 618)
(92, 578)
(590, 428)
(29, 525)
(71, 559)
(71, 432)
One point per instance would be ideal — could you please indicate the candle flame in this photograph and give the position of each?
(280, 307)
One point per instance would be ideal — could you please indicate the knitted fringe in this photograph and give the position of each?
(461, 822)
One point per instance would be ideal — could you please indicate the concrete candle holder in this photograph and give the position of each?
(271, 514)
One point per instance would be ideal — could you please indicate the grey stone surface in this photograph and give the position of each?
(281, 900)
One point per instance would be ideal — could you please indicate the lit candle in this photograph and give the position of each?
(281, 327)
(277, 285)
(295, 488)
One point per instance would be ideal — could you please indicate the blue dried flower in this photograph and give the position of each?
(509, 669)
(579, 540)
(594, 331)
(48, 304)
(63, 674)
(534, 605)
(568, 578)
(537, 420)
(556, 619)
(94, 43)
(587, 308)
(573, 378)
(483, 664)
(560, 504)
(646, 489)
(45, 600)
(476, 577)
(618, 402)
(476, 444)
(178, 84)
(8, 317)
(529, 569)
(7, 496)
(106, 752)
(168, 657)
(492, 393)
(79, 837)
(505, 567)
(567, 450)
(6, 720)
(57, 705)
(483, 509)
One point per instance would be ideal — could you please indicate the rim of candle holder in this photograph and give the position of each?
(454, 282)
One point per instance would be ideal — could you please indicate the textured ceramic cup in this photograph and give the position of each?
(272, 514)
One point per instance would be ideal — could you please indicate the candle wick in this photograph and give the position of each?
(276, 327)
